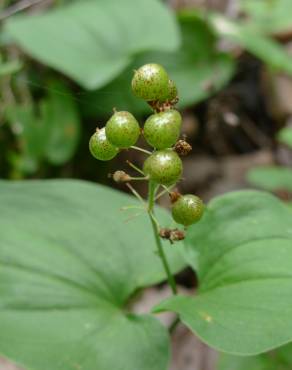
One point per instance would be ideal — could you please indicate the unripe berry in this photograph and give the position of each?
(122, 129)
(162, 130)
(151, 82)
(100, 147)
(163, 167)
(188, 209)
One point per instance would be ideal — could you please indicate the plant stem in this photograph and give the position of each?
(140, 149)
(137, 195)
(151, 200)
(135, 168)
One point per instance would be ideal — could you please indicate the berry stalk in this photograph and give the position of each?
(152, 187)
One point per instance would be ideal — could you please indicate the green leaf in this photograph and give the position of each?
(31, 135)
(242, 251)
(49, 130)
(281, 359)
(230, 362)
(265, 48)
(271, 178)
(61, 118)
(285, 136)
(197, 69)
(93, 41)
(10, 67)
(269, 16)
(68, 265)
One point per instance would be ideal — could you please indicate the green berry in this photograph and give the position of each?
(188, 209)
(150, 82)
(162, 130)
(100, 147)
(122, 129)
(163, 167)
(172, 91)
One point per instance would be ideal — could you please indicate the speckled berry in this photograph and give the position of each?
(100, 147)
(122, 129)
(163, 167)
(172, 91)
(162, 130)
(187, 210)
(151, 83)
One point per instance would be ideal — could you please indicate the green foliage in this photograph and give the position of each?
(280, 359)
(49, 131)
(197, 69)
(257, 43)
(285, 136)
(274, 178)
(69, 265)
(8, 68)
(269, 16)
(93, 41)
(271, 178)
(241, 250)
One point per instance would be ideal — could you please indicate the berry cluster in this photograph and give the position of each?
(163, 167)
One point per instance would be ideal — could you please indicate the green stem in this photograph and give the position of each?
(151, 201)
(140, 149)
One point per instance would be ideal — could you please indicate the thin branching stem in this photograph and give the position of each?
(140, 149)
(135, 167)
(145, 178)
(137, 195)
(164, 191)
(155, 226)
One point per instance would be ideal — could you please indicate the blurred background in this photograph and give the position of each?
(65, 64)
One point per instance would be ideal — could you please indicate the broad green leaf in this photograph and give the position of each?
(271, 178)
(285, 136)
(255, 42)
(242, 251)
(197, 69)
(281, 359)
(93, 41)
(269, 16)
(68, 265)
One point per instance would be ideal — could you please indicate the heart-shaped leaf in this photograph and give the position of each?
(68, 265)
(242, 251)
(93, 41)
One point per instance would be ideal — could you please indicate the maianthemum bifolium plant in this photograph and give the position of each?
(163, 166)
(70, 267)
